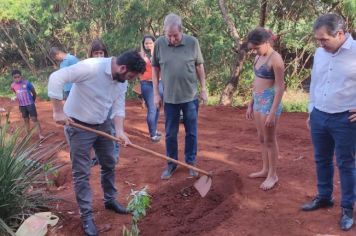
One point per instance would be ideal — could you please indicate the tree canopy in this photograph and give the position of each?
(30, 27)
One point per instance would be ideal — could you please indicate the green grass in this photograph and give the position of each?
(295, 101)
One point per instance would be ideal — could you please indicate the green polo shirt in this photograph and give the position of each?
(177, 68)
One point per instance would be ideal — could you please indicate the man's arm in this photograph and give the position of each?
(58, 115)
(155, 82)
(72, 74)
(199, 66)
(156, 75)
(311, 91)
(118, 115)
(201, 77)
(119, 128)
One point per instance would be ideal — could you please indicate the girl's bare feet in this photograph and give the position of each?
(260, 174)
(269, 183)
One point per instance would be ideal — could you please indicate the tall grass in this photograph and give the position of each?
(292, 101)
(295, 101)
(22, 177)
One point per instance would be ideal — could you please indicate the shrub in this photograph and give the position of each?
(23, 166)
(295, 101)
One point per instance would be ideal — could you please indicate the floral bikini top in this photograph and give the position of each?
(264, 71)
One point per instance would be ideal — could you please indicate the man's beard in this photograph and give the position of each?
(118, 77)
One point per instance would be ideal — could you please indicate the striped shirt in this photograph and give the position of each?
(23, 92)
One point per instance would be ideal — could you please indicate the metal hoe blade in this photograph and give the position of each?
(203, 185)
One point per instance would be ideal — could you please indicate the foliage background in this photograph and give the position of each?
(30, 27)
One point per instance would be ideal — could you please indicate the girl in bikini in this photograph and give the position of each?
(265, 106)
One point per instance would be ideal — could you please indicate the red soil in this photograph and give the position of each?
(235, 205)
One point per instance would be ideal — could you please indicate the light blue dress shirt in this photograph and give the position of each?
(94, 91)
(333, 79)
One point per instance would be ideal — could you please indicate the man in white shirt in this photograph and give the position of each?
(98, 85)
(332, 118)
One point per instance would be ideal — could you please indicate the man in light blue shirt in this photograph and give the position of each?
(65, 60)
(332, 119)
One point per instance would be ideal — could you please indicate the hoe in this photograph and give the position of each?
(202, 185)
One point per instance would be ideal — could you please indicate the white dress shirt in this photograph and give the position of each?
(333, 79)
(93, 93)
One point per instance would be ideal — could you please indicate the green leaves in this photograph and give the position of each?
(16, 9)
(22, 176)
(140, 201)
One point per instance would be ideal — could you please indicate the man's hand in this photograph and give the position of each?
(308, 122)
(204, 97)
(61, 118)
(352, 118)
(123, 137)
(157, 100)
(13, 98)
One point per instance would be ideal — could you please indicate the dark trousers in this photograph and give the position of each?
(334, 133)
(81, 142)
(190, 114)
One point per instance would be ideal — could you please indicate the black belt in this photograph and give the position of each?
(83, 123)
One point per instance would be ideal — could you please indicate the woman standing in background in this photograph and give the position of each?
(147, 47)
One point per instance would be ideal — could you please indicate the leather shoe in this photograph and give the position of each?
(89, 227)
(117, 207)
(346, 221)
(317, 203)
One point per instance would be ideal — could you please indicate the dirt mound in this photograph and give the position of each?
(181, 210)
(228, 146)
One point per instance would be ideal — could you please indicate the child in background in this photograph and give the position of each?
(26, 97)
(265, 107)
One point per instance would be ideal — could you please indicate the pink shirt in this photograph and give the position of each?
(23, 92)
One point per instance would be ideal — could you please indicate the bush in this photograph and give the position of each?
(5, 82)
(23, 167)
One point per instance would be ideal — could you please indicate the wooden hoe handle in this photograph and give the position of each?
(103, 134)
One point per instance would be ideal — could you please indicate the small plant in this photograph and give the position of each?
(140, 201)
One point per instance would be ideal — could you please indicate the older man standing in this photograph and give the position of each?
(98, 85)
(177, 59)
(332, 118)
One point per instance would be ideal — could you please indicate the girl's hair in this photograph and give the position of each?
(260, 35)
(147, 36)
(98, 45)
